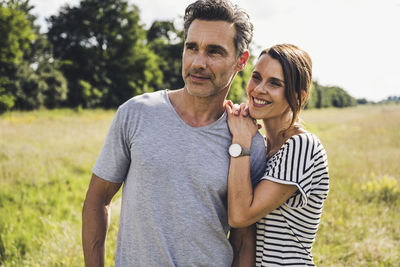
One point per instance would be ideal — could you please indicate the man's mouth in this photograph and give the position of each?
(199, 78)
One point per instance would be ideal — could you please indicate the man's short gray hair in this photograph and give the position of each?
(214, 10)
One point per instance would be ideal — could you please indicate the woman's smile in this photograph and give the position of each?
(258, 102)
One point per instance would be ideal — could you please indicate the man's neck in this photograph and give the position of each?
(197, 111)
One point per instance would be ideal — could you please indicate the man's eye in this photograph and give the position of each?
(214, 52)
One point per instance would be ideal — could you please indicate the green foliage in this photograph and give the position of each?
(166, 40)
(16, 37)
(29, 78)
(103, 44)
(15, 43)
(362, 101)
(91, 96)
(55, 85)
(32, 89)
(391, 100)
(384, 188)
(28, 88)
(6, 99)
(313, 98)
(237, 93)
(329, 96)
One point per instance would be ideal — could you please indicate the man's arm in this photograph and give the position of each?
(243, 241)
(95, 219)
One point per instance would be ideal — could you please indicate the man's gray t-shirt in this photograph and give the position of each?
(174, 198)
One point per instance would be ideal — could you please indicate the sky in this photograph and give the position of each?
(354, 44)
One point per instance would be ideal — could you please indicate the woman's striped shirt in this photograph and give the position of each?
(285, 236)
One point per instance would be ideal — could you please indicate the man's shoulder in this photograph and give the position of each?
(258, 142)
(258, 157)
(143, 100)
(258, 149)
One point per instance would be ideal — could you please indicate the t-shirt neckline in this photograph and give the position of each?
(222, 118)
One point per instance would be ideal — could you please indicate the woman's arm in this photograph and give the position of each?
(245, 206)
(243, 241)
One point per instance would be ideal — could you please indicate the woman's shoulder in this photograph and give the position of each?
(303, 137)
(303, 144)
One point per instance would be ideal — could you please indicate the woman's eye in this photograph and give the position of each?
(275, 84)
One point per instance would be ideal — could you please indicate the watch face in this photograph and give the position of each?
(234, 150)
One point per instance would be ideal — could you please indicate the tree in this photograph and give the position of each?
(15, 43)
(167, 42)
(313, 98)
(329, 96)
(28, 76)
(362, 101)
(103, 54)
(237, 93)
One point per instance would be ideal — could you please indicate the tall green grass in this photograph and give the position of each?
(45, 166)
(361, 220)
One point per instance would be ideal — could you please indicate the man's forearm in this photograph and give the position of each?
(95, 220)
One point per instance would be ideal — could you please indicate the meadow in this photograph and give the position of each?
(45, 166)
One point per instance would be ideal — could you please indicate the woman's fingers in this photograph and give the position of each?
(228, 103)
(229, 108)
(244, 110)
(236, 109)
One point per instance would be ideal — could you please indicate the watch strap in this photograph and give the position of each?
(245, 152)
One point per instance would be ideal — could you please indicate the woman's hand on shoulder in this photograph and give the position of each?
(241, 125)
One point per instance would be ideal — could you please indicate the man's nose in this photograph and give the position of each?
(199, 61)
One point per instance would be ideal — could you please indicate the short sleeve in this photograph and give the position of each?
(257, 159)
(114, 159)
(293, 164)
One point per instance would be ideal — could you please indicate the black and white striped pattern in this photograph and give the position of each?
(285, 236)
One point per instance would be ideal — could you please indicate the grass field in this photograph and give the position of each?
(45, 166)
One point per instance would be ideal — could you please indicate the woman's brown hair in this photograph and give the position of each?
(297, 72)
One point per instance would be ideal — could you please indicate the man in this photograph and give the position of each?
(170, 149)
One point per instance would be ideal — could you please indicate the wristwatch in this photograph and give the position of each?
(236, 150)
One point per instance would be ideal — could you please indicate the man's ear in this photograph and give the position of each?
(242, 60)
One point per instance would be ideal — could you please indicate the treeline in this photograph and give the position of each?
(98, 54)
(390, 100)
(329, 96)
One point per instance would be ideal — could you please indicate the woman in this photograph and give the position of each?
(286, 204)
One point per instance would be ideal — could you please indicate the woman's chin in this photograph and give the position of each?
(254, 114)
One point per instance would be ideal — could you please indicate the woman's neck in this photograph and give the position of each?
(277, 131)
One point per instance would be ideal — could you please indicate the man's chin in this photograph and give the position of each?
(200, 92)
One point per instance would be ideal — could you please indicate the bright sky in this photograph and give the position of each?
(354, 44)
